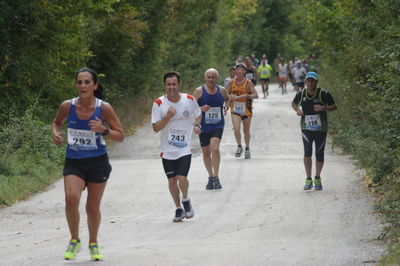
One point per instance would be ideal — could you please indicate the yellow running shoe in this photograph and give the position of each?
(95, 251)
(72, 249)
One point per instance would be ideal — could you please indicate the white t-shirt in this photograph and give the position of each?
(282, 70)
(299, 74)
(292, 64)
(176, 137)
(226, 81)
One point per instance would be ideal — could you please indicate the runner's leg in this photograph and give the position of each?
(308, 165)
(308, 139)
(93, 202)
(215, 155)
(319, 152)
(174, 190)
(207, 159)
(246, 131)
(73, 187)
(236, 119)
(263, 87)
(183, 185)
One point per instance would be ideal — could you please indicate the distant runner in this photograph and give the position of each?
(242, 92)
(255, 60)
(173, 115)
(264, 71)
(211, 98)
(298, 75)
(86, 164)
(276, 62)
(313, 63)
(231, 76)
(251, 71)
(314, 102)
(291, 65)
(283, 75)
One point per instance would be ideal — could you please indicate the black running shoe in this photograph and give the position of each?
(217, 184)
(179, 215)
(239, 151)
(210, 185)
(189, 212)
(247, 154)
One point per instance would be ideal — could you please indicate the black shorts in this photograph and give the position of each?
(206, 137)
(265, 80)
(243, 117)
(176, 167)
(93, 169)
(299, 84)
(319, 138)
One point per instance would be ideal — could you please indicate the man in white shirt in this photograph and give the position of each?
(298, 74)
(173, 115)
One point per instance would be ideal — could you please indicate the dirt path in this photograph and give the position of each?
(260, 217)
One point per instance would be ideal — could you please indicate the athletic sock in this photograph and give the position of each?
(247, 148)
(309, 178)
(317, 177)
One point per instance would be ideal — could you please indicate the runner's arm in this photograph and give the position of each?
(226, 96)
(58, 122)
(160, 124)
(227, 99)
(228, 91)
(115, 130)
(253, 93)
(330, 103)
(320, 108)
(298, 110)
(196, 111)
(197, 95)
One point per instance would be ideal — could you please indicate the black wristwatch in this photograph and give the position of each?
(106, 132)
(197, 125)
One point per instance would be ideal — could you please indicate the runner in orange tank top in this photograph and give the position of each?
(242, 92)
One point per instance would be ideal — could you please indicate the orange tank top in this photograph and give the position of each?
(240, 106)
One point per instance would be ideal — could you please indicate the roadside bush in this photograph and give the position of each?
(28, 159)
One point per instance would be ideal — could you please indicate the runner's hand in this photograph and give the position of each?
(197, 130)
(205, 108)
(171, 112)
(97, 125)
(58, 139)
(318, 108)
(225, 110)
(300, 112)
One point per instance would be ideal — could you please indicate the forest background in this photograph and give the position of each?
(131, 43)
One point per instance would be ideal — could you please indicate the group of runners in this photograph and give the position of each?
(255, 69)
(295, 70)
(176, 116)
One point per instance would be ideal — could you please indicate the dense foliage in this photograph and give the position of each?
(360, 41)
(131, 43)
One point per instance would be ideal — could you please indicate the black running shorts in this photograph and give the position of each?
(300, 84)
(265, 80)
(243, 117)
(176, 167)
(94, 169)
(319, 138)
(206, 137)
